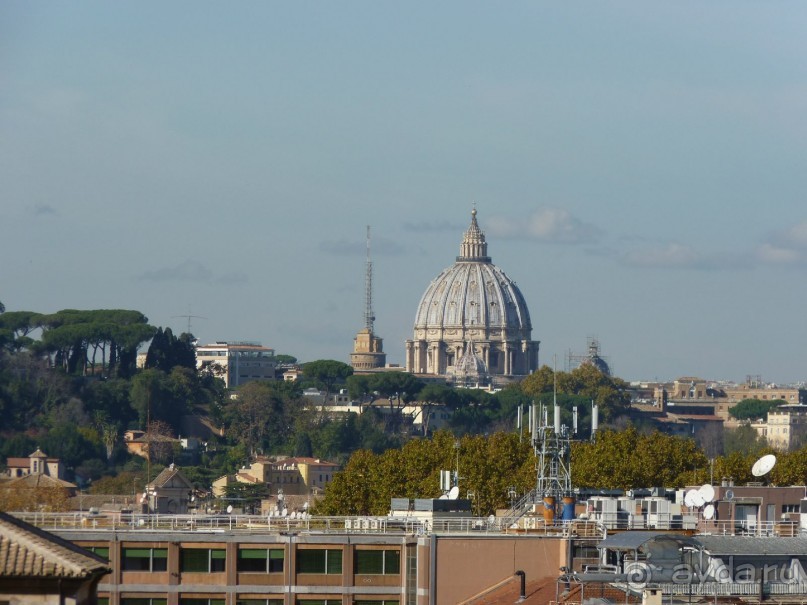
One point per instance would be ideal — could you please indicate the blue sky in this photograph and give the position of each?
(639, 169)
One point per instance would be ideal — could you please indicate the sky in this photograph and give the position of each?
(639, 170)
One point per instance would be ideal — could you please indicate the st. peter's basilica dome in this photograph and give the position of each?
(472, 301)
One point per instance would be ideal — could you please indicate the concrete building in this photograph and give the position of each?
(237, 362)
(473, 310)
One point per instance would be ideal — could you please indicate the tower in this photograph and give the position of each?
(368, 353)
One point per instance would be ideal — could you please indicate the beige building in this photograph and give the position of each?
(472, 311)
(786, 427)
(301, 476)
(237, 362)
(36, 463)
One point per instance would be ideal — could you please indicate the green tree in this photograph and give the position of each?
(327, 372)
(751, 409)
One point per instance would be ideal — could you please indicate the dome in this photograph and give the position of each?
(472, 300)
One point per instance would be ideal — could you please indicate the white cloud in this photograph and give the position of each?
(778, 255)
(672, 255)
(553, 225)
(785, 247)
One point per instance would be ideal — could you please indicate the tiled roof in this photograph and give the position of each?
(41, 480)
(15, 462)
(27, 551)
(166, 475)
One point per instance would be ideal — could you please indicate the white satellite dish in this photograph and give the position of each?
(229, 509)
(763, 466)
(492, 519)
(729, 495)
(707, 492)
(443, 497)
(689, 498)
(454, 493)
(709, 511)
(285, 512)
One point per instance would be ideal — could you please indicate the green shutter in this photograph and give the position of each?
(252, 553)
(218, 554)
(160, 553)
(137, 553)
(276, 553)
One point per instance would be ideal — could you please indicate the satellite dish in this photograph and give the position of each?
(454, 493)
(707, 492)
(443, 497)
(285, 512)
(729, 495)
(229, 509)
(763, 466)
(689, 498)
(492, 519)
(709, 511)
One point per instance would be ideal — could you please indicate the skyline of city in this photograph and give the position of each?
(638, 171)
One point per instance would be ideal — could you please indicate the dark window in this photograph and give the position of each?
(378, 602)
(259, 602)
(152, 601)
(319, 561)
(378, 562)
(145, 559)
(192, 601)
(204, 560)
(260, 560)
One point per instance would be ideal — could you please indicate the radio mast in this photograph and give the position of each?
(369, 316)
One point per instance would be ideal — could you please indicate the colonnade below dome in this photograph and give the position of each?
(501, 358)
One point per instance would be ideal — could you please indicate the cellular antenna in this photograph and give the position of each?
(190, 316)
(369, 316)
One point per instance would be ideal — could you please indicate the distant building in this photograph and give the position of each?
(237, 362)
(295, 476)
(36, 463)
(786, 427)
(473, 300)
(169, 493)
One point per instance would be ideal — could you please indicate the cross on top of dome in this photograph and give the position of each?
(474, 248)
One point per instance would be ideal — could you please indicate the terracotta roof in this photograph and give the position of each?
(18, 462)
(41, 480)
(27, 551)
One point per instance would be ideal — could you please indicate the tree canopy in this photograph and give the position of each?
(751, 409)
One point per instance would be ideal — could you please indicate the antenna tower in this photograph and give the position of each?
(190, 316)
(369, 316)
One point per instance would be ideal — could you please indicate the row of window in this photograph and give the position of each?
(258, 560)
(193, 601)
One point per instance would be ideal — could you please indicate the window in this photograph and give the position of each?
(319, 601)
(790, 508)
(260, 560)
(101, 551)
(259, 602)
(125, 601)
(378, 602)
(205, 560)
(378, 562)
(192, 601)
(319, 561)
(145, 559)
